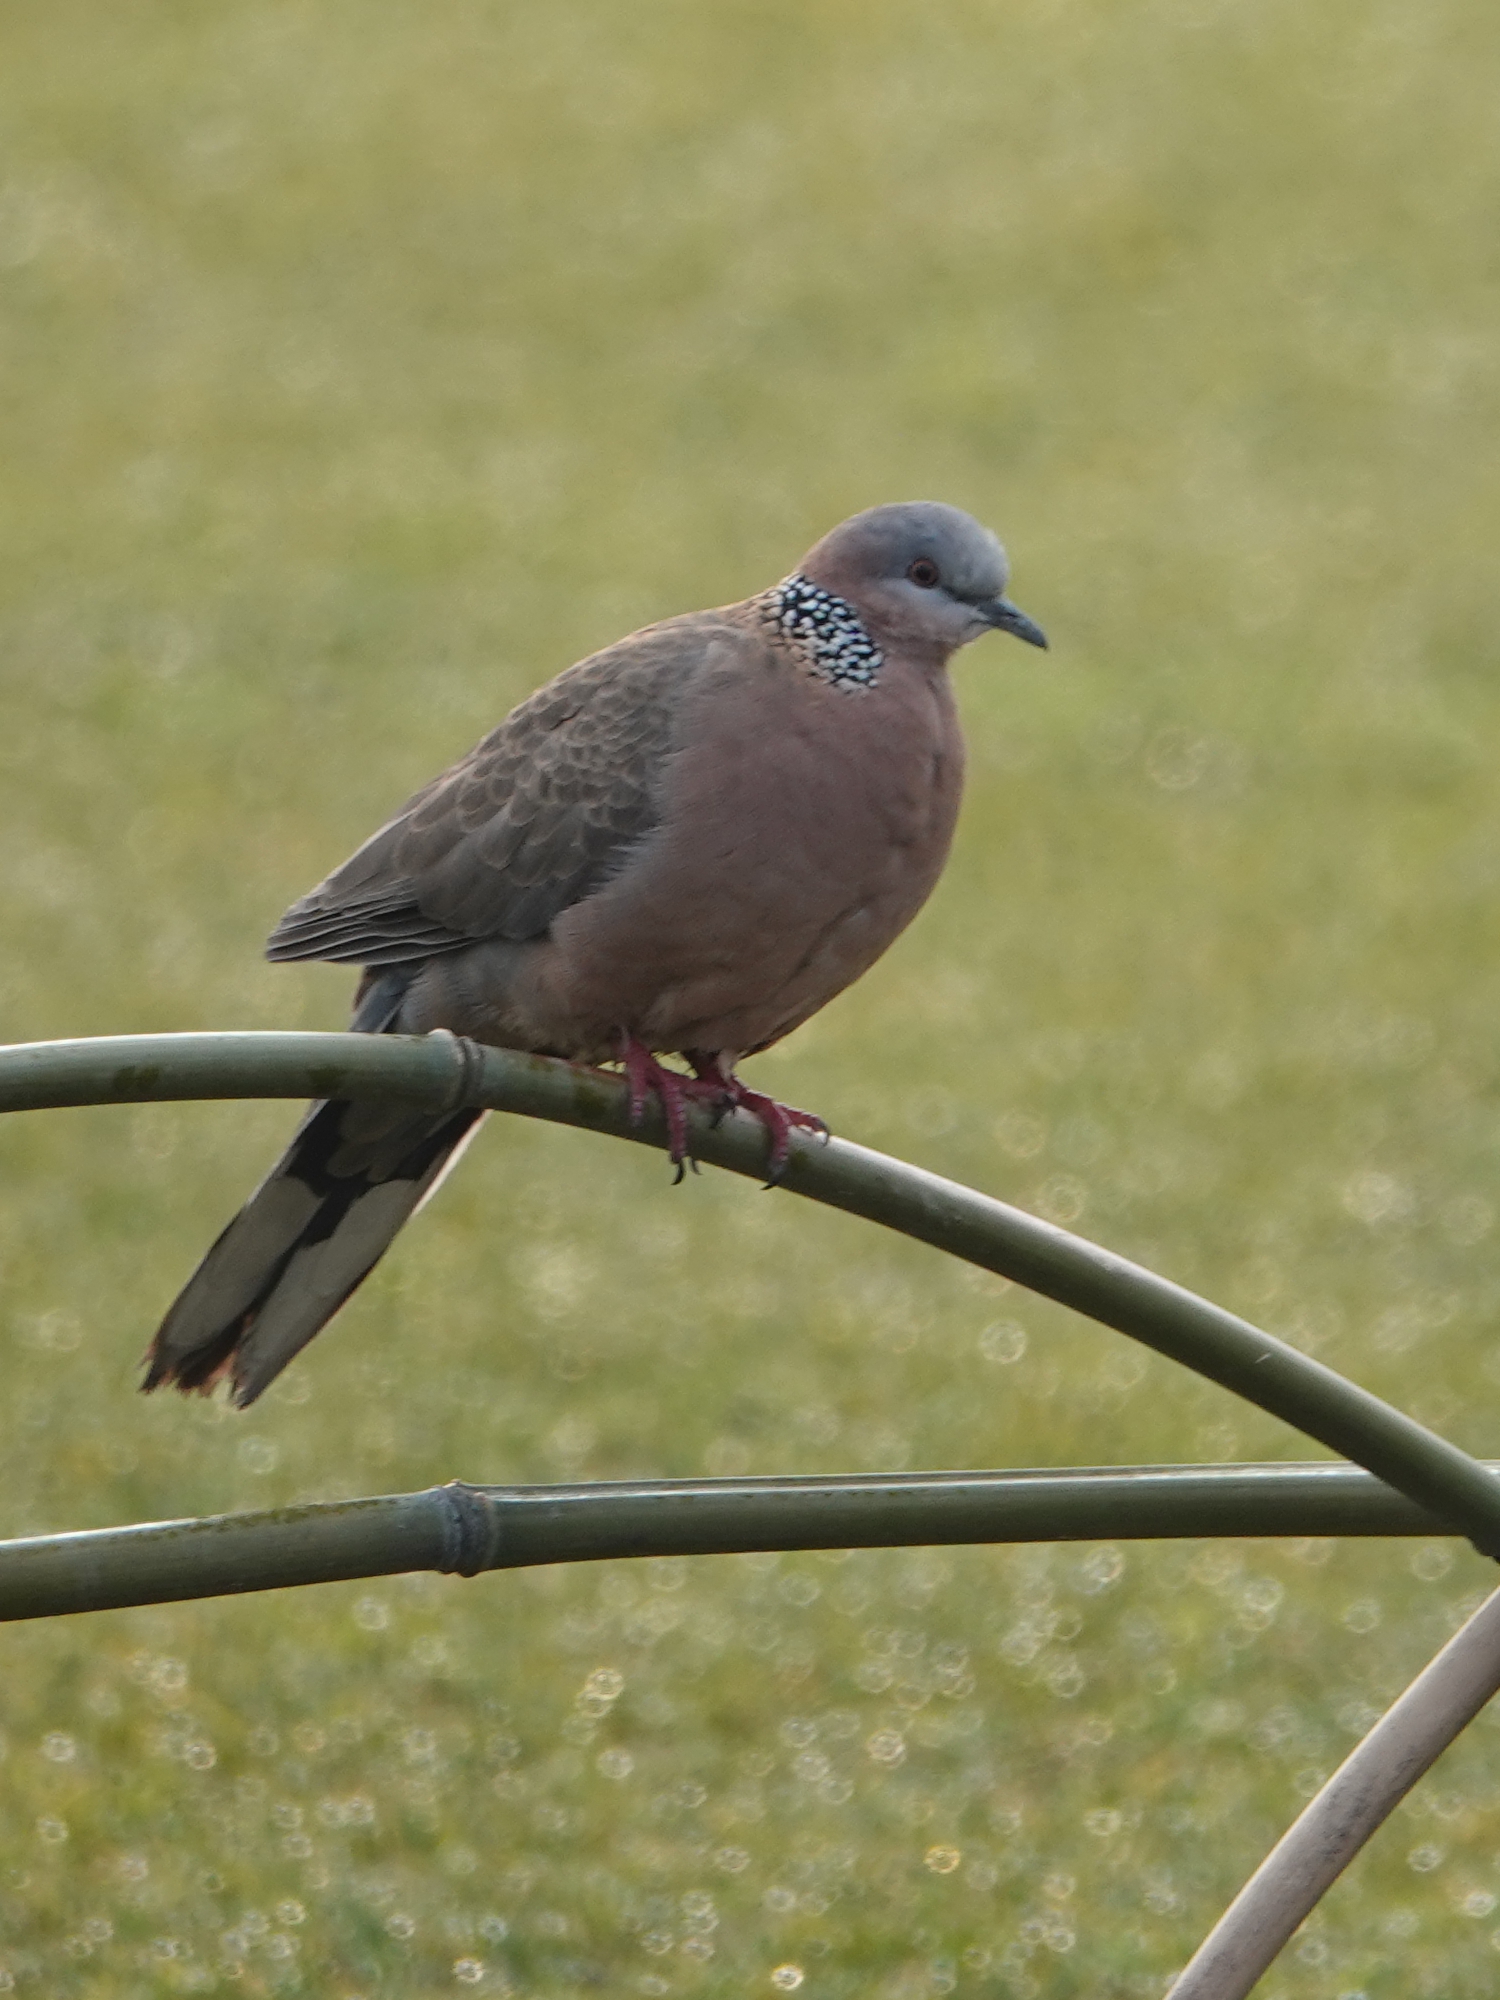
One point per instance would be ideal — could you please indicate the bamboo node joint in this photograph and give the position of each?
(468, 1529)
(468, 1070)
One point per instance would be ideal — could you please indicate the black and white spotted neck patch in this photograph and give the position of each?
(827, 633)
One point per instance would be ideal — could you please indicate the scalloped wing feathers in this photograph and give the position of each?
(535, 818)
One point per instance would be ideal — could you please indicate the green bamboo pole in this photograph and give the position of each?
(443, 1072)
(464, 1530)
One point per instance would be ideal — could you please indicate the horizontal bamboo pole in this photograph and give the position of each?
(465, 1530)
(443, 1072)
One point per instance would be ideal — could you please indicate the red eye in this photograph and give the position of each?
(924, 573)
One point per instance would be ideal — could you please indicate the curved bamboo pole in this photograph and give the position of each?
(465, 1530)
(444, 1073)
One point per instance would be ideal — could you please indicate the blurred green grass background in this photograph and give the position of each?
(363, 366)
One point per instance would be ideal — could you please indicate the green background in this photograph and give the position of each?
(363, 365)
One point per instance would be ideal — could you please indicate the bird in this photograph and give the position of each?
(685, 844)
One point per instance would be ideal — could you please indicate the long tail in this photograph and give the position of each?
(310, 1234)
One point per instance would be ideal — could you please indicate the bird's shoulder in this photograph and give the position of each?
(609, 715)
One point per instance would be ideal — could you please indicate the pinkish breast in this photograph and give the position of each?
(805, 826)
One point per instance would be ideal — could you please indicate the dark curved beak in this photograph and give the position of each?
(1007, 617)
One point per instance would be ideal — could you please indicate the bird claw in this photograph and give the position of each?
(780, 1121)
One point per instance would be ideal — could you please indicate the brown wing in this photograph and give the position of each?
(534, 818)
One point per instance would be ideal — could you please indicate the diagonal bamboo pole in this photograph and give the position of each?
(444, 1073)
(1360, 1796)
(465, 1530)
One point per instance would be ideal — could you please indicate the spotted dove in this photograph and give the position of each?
(687, 843)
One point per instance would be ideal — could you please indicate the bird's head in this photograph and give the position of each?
(921, 576)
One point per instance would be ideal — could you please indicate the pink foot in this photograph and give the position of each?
(673, 1091)
(780, 1120)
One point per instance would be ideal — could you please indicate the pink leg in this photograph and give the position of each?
(780, 1120)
